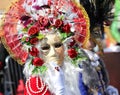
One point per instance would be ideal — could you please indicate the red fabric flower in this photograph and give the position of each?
(33, 40)
(37, 61)
(34, 51)
(66, 28)
(72, 43)
(33, 30)
(43, 21)
(58, 23)
(41, 27)
(72, 53)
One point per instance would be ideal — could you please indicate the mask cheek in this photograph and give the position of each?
(44, 54)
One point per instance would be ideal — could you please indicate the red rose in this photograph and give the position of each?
(37, 61)
(33, 40)
(58, 23)
(72, 53)
(72, 43)
(41, 27)
(33, 30)
(66, 28)
(34, 51)
(43, 21)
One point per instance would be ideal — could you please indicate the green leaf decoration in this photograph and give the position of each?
(63, 35)
(40, 36)
(35, 70)
(23, 39)
(42, 69)
(24, 29)
(74, 60)
(62, 17)
(28, 43)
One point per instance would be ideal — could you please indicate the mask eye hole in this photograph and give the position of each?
(57, 45)
(46, 47)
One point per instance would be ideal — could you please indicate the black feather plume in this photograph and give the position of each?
(100, 14)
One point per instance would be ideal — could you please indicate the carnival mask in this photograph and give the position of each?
(52, 49)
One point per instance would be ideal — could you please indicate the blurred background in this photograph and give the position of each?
(104, 40)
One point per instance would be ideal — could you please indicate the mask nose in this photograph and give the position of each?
(52, 52)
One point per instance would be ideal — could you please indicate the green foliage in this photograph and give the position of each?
(40, 69)
(40, 36)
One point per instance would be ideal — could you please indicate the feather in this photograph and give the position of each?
(99, 11)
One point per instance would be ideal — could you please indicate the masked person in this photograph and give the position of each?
(48, 36)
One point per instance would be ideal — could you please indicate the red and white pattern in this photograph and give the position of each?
(35, 86)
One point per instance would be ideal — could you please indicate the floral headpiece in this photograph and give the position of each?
(27, 22)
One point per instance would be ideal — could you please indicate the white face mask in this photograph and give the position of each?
(52, 49)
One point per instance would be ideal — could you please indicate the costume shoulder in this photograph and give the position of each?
(94, 73)
(99, 64)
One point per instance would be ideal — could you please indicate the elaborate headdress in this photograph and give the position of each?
(27, 22)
